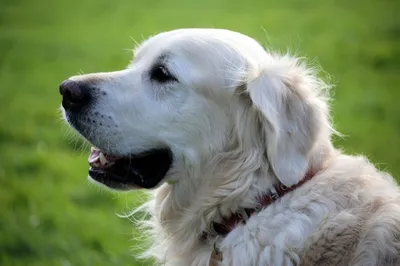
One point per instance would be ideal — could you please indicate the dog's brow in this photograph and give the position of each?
(162, 58)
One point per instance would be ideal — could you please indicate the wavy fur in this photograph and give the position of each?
(240, 120)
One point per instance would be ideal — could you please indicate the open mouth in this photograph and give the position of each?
(144, 170)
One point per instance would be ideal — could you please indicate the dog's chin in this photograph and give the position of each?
(144, 170)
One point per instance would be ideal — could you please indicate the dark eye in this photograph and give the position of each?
(160, 74)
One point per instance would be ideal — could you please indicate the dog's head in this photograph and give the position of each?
(185, 96)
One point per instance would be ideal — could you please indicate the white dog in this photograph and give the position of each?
(235, 143)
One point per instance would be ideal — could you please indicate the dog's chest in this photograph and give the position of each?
(274, 236)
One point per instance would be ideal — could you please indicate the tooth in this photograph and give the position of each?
(103, 159)
(96, 164)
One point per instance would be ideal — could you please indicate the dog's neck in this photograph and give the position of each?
(242, 215)
(218, 189)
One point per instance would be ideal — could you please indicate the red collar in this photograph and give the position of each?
(278, 191)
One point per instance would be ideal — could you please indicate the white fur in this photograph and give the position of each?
(239, 120)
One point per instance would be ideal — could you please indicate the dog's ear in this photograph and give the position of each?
(291, 114)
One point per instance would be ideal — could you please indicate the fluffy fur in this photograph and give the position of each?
(239, 119)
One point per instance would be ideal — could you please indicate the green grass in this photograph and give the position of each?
(49, 214)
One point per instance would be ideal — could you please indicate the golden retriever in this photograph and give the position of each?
(234, 143)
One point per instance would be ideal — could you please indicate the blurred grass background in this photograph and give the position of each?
(49, 215)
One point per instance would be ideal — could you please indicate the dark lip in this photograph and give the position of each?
(110, 181)
(145, 170)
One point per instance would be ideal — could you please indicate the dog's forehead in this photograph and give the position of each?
(195, 42)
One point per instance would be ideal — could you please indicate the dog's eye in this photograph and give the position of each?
(160, 74)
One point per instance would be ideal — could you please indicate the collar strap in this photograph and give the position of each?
(242, 215)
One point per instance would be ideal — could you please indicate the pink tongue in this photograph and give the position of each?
(99, 160)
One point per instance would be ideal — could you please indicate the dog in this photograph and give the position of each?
(233, 142)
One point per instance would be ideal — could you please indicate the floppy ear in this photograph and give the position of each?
(285, 96)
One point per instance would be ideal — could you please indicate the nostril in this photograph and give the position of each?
(75, 93)
(65, 85)
(71, 88)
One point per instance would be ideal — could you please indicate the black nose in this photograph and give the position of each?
(76, 94)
